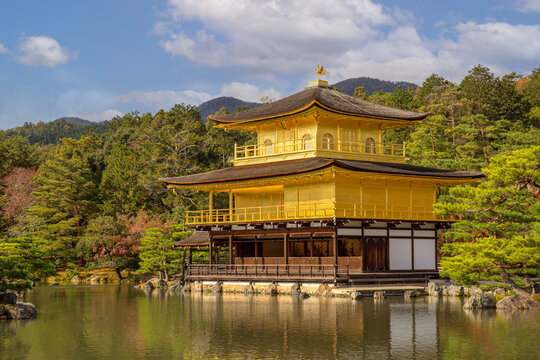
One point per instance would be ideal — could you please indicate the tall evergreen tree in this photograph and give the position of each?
(497, 235)
(67, 195)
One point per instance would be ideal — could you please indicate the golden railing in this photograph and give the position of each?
(299, 145)
(313, 211)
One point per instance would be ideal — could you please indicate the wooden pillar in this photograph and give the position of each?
(230, 250)
(311, 247)
(183, 261)
(335, 247)
(387, 216)
(230, 205)
(362, 250)
(210, 251)
(361, 199)
(338, 137)
(286, 247)
(211, 205)
(380, 147)
(412, 247)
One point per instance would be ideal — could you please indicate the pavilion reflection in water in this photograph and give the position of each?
(286, 327)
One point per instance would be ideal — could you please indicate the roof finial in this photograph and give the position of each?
(320, 71)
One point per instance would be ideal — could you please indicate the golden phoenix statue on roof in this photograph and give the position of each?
(320, 70)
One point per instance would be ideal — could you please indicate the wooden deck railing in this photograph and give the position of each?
(314, 211)
(299, 145)
(274, 271)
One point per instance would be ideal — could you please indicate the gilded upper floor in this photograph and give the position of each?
(319, 122)
(318, 188)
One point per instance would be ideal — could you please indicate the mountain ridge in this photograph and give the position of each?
(72, 126)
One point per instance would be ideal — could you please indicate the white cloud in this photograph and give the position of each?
(160, 28)
(98, 117)
(495, 43)
(350, 38)
(3, 49)
(272, 36)
(163, 99)
(248, 92)
(528, 5)
(42, 51)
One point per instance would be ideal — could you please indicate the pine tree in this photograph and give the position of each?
(497, 235)
(67, 195)
(21, 261)
(157, 252)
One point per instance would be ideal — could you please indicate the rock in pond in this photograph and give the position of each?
(8, 298)
(303, 295)
(323, 290)
(356, 295)
(148, 286)
(411, 294)
(455, 290)
(249, 290)
(498, 291)
(379, 295)
(434, 289)
(517, 302)
(296, 289)
(175, 288)
(271, 290)
(19, 311)
(480, 301)
(217, 288)
(472, 290)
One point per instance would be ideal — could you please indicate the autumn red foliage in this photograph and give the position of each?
(18, 188)
(129, 242)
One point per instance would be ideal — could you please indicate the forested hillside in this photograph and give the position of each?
(230, 103)
(44, 133)
(90, 199)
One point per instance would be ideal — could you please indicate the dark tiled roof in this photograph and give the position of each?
(327, 97)
(198, 238)
(291, 167)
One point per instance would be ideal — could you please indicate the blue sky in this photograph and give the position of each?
(100, 58)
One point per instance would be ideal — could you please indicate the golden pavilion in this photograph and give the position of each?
(319, 196)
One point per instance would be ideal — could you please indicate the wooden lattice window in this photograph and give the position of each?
(268, 147)
(370, 146)
(306, 142)
(328, 142)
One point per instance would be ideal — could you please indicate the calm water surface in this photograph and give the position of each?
(123, 323)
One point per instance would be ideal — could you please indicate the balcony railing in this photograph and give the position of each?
(313, 211)
(299, 145)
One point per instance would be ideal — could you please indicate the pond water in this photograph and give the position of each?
(123, 323)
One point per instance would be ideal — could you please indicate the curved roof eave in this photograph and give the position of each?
(300, 166)
(314, 103)
(325, 98)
